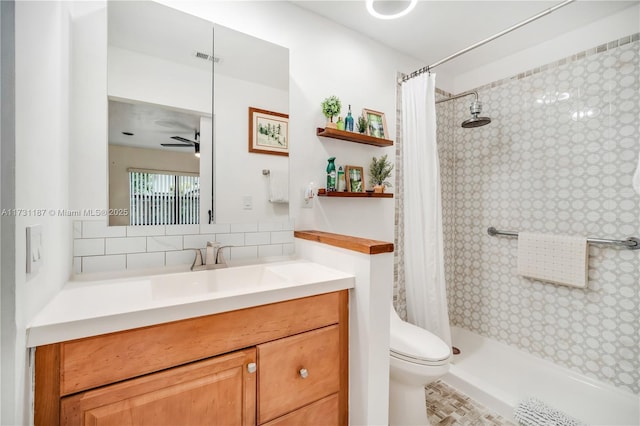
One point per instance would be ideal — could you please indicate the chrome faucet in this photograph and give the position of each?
(214, 257)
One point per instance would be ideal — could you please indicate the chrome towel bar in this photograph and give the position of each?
(632, 243)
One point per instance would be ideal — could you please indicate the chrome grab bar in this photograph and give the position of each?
(632, 243)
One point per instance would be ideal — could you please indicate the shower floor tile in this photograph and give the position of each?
(446, 406)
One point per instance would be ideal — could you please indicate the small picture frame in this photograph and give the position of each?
(355, 178)
(377, 125)
(268, 132)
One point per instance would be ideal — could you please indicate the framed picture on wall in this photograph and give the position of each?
(377, 126)
(268, 132)
(355, 178)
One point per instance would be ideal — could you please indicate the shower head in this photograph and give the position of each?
(475, 121)
(475, 108)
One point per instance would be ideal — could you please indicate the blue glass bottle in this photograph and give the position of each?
(348, 121)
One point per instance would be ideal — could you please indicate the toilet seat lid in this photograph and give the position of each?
(416, 344)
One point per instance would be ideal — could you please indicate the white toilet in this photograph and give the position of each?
(418, 358)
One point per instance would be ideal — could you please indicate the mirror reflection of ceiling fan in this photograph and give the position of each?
(186, 143)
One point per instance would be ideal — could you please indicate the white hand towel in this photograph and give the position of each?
(559, 259)
(278, 187)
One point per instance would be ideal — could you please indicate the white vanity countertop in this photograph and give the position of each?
(89, 308)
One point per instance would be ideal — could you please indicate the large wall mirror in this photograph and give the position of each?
(179, 91)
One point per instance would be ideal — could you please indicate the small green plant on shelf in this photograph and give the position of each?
(379, 170)
(362, 124)
(330, 108)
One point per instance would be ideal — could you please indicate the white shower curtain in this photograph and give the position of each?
(423, 241)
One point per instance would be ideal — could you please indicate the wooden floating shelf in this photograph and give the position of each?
(362, 245)
(357, 194)
(352, 137)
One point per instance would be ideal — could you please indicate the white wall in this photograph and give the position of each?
(41, 166)
(611, 28)
(239, 172)
(135, 76)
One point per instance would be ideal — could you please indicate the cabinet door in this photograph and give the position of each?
(296, 371)
(216, 391)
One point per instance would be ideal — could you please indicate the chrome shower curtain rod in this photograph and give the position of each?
(487, 40)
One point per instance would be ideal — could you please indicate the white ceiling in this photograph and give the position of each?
(151, 126)
(436, 29)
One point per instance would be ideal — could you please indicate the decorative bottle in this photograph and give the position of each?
(340, 124)
(348, 121)
(342, 184)
(331, 175)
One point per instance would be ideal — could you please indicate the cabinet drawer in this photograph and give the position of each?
(296, 371)
(319, 413)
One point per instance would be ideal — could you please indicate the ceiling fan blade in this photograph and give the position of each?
(181, 139)
(177, 145)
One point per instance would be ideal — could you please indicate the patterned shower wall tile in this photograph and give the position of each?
(557, 158)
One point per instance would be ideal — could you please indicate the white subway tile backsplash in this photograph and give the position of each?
(77, 265)
(270, 226)
(88, 247)
(183, 229)
(270, 250)
(99, 229)
(288, 249)
(257, 238)
(125, 245)
(244, 227)
(248, 252)
(215, 228)
(166, 243)
(282, 237)
(104, 263)
(100, 248)
(181, 257)
(77, 229)
(197, 241)
(145, 231)
(145, 260)
(230, 239)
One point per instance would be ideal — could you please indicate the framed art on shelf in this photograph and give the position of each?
(377, 125)
(355, 178)
(268, 132)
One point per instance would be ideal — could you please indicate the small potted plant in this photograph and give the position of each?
(379, 171)
(361, 124)
(330, 108)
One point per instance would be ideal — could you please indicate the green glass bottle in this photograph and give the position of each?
(331, 175)
(348, 121)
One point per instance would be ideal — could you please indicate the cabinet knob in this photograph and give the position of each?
(304, 373)
(251, 367)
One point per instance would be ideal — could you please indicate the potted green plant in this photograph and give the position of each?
(361, 124)
(330, 108)
(379, 170)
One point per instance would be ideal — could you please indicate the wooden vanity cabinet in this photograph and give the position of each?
(200, 371)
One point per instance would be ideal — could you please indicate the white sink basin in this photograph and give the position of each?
(227, 280)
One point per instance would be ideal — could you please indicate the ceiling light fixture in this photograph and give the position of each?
(197, 149)
(389, 9)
